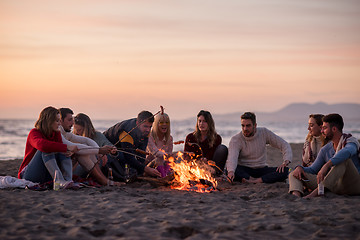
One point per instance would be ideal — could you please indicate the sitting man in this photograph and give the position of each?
(88, 149)
(247, 154)
(337, 165)
(128, 136)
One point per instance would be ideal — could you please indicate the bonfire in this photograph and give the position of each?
(190, 173)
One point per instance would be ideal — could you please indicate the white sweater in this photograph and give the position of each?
(81, 142)
(251, 151)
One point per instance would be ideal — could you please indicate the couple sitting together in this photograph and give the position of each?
(52, 146)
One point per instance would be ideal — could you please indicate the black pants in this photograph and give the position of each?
(267, 174)
(220, 156)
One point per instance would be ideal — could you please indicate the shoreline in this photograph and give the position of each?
(141, 211)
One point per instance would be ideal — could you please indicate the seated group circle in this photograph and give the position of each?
(66, 145)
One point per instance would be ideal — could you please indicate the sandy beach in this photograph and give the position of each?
(141, 211)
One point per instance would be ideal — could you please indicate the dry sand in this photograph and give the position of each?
(141, 211)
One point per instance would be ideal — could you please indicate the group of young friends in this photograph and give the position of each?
(139, 146)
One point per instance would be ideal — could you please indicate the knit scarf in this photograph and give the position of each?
(310, 151)
(347, 138)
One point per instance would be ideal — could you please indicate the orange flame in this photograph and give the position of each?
(191, 174)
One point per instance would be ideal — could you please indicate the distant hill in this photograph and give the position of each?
(299, 112)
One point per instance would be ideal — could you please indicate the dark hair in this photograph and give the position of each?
(335, 120)
(145, 115)
(249, 115)
(211, 134)
(64, 112)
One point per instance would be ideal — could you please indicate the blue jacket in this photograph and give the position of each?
(327, 153)
(134, 140)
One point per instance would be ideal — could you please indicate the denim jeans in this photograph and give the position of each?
(36, 171)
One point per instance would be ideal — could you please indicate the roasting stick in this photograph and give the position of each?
(137, 125)
(142, 151)
(190, 144)
(210, 162)
(178, 142)
(118, 150)
(161, 111)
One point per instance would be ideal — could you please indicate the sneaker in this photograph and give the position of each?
(69, 185)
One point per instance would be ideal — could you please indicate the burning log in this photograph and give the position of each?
(188, 173)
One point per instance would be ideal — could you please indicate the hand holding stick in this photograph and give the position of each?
(137, 125)
(142, 151)
(212, 163)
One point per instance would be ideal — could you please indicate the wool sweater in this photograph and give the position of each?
(37, 141)
(158, 148)
(348, 147)
(311, 150)
(86, 145)
(251, 151)
(101, 140)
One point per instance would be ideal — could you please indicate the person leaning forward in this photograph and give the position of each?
(247, 160)
(130, 135)
(88, 149)
(337, 165)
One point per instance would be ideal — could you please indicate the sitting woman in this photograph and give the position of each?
(205, 142)
(314, 140)
(84, 127)
(45, 152)
(160, 143)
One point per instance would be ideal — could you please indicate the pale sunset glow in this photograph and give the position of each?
(112, 59)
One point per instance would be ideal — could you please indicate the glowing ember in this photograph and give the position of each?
(191, 174)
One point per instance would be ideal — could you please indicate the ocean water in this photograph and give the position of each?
(13, 132)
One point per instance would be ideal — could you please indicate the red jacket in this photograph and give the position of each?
(37, 141)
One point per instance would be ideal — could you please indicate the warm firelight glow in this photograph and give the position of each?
(191, 174)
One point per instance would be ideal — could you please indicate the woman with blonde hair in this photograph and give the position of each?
(160, 143)
(205, 142)
(314, 140)
(45, 152)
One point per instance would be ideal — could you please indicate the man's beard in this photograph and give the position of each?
(145, 134)
(329, 137)
(249, 134)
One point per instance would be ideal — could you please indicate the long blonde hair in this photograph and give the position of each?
(46, 118)
(84, 121)
(155, 128)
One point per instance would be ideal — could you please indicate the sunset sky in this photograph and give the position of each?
(112, 59)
